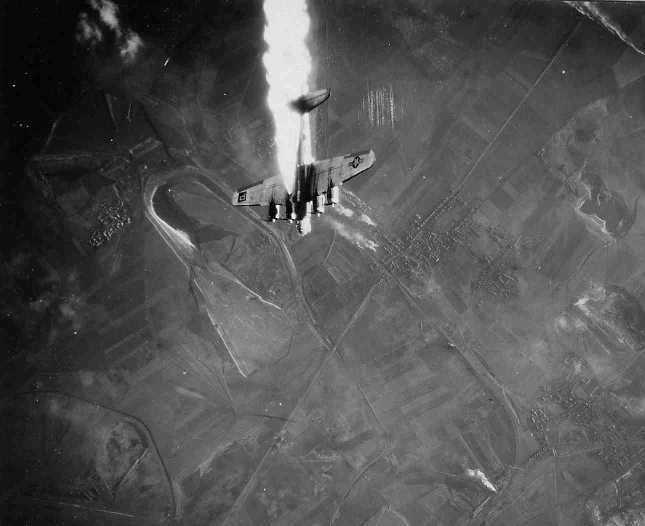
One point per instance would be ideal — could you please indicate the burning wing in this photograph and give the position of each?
(262, 193)
(339, 169)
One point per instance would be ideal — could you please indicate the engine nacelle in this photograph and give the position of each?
(289, 210)
(304, 225)
(320, 204)
(335, 195)
(272, 212)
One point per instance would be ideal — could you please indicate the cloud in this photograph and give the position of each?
(106, 19)
(130, 47)
(108, 12)
(87, 31)
(353, 236)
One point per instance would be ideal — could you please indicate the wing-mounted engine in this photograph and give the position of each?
(283, 209)
(304, 226)
(334, 195)
(274, 211)
(331, 195)
(321, 201)
(304, 223)
(289, 209)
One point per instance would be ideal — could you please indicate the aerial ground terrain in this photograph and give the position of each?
(459, 342)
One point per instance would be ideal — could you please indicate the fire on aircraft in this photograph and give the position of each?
(316, 184)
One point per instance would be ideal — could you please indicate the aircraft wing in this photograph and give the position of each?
(262, 193)
(342, 168)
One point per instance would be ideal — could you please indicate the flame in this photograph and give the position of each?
(288, 64)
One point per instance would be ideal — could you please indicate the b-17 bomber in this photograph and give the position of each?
(315, 185)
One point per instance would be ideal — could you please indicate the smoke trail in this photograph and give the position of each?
(288, 63)
(595, 13)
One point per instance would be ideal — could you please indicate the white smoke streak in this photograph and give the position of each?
(344, 211)
(595, 293)
(88, 31)
(288, 64)
(367, 219)
(479, 475)
(594, 12)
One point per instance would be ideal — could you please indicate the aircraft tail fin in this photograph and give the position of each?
(307, 102)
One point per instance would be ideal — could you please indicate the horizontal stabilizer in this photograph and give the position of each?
(311, 100)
